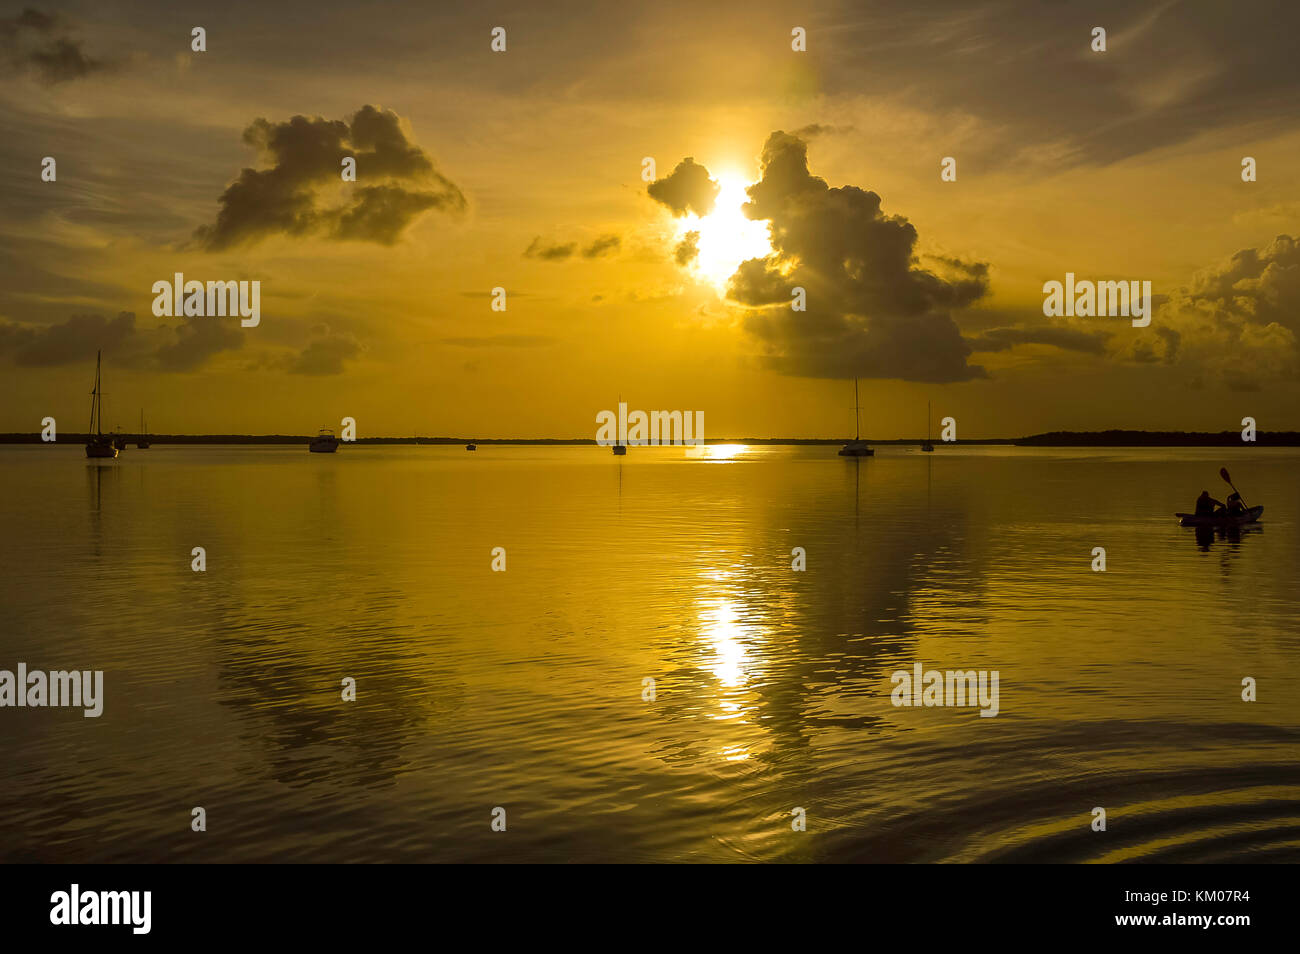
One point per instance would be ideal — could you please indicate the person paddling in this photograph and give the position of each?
(1207, 505)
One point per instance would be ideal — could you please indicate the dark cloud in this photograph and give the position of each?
(40, 44)
(396, 182)
(687, 188)
(560, 251)
(1002, 339)
(381, 213)
(872, 310)
(69, 342)
(182, 346)
(550, 252)
(687, 249)
(327, 353)
(188, 346)
(602, 245)
(1027, 74)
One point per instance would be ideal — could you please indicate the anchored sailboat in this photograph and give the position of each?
(856, 447)
(620, 449)
(927, 446)
(98, 444)
(143, 440)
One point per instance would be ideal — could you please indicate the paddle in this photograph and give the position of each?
(1223, 472)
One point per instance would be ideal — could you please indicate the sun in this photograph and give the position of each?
(726, 236)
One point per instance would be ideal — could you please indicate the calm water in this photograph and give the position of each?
(523, 689)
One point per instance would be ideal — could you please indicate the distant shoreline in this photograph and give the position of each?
(1110, 438)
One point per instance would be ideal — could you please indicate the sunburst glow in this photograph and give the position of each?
(726, 236)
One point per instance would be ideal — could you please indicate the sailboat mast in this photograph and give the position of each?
(927, 422)
(857, 435)
(90, 428)
(96, 404)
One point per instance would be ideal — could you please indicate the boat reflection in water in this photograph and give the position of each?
(1232, 535)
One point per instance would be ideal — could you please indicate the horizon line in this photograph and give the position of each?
(1183, 438)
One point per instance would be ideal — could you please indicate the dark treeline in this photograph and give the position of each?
(1118, 438)
(1111, 438)
(71, 438)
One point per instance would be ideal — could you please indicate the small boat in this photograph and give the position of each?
(927, 447)
(620, 450)
(856, 447)
(1215, 520)
(471, 447)
(99, 444)
(143, 440)
(324, 443)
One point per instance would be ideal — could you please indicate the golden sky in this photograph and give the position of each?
(523, 169)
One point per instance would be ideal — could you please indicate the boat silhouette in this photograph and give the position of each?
(98, 444)
(856, 447)
(324, 443)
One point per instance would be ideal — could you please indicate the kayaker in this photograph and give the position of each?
(1207, 505)
(1234, 504)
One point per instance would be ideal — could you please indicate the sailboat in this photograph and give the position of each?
(98, 444)
(620, 450)
(324, 443)
(143, 440)
(927, 446)
(856, 447)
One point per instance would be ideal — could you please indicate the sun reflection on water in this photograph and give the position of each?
(730, 644)
(720, 623)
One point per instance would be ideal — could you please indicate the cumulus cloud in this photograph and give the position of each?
(687, 188)
(1235, 325)
(41, 44)
(397, 181)
(872, 311)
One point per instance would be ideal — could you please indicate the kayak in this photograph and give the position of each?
(1219, 519)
